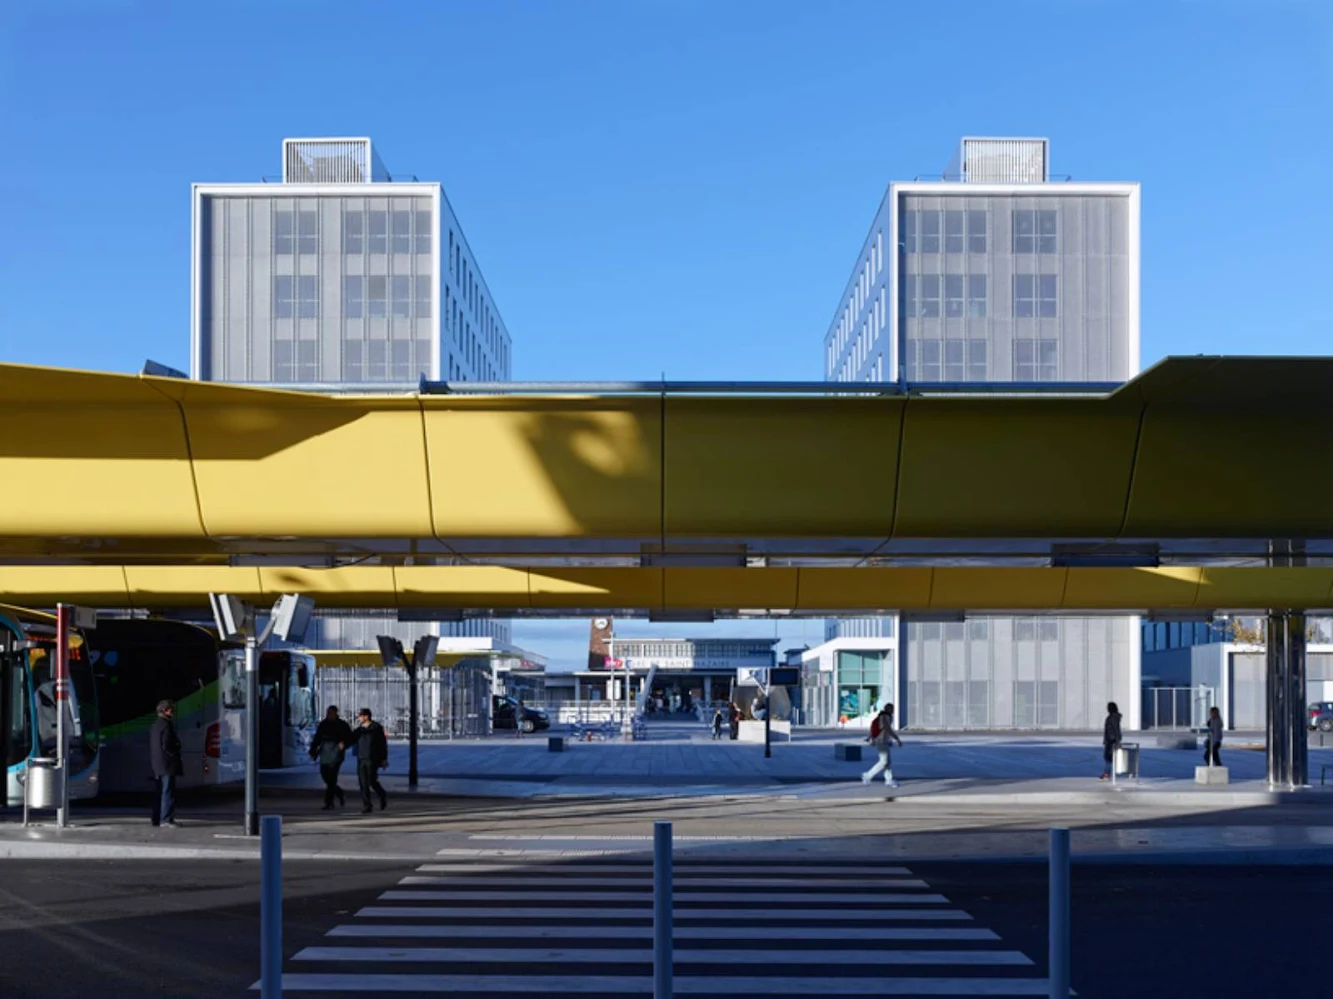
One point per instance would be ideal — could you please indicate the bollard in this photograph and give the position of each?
(662, 910)
(270, 907)
(1058, 946)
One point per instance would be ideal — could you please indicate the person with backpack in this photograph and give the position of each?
(329, 747)
(882, 736)
(1110, 738)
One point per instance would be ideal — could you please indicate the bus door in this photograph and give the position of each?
(273, 682)
(15, 737)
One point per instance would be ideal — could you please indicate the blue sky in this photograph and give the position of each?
(660, 187)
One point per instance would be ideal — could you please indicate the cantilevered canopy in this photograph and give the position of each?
(1199, 458)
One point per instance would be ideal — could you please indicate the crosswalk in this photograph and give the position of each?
(530, 924)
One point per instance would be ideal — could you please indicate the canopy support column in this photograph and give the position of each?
(1288, 744)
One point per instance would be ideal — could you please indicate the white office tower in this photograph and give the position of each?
(997, 273)
(340, 277)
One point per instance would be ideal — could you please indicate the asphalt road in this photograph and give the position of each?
(142, 929)
(122, 929)
(1149, 932)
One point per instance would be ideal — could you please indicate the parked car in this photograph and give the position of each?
(504, 714)
(1321, 716)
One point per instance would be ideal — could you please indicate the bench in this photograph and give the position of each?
(850, 751)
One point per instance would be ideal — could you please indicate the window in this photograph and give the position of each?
(307, 297)
(423, 296)
(1036, 295)
(976, 231)
(284, 361)
(929, 360)
(1035, 230)
(955, 368)
(1025, 629)
(307, 361)
(978, 629)
(284, 231)
(401, 356)
(307, 231)
(976, 296)
(929, 238)
(928, 296)
(378, 297)
(423, 230)
(1036, 360)
(953, 295)
(376, 370)
(976, 361)
(379, 231)
(354, 306)
(354, 361)
(1048, 629)
(402, 296)
(402, 232)
(953, 231)
(909, 232)
(284, 296)
(354, 232)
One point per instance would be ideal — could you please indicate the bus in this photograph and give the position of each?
(137, 662)
(28, 675)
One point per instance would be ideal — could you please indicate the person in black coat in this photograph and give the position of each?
(329, 747)
(1110, 738)
(372, 756)
(164, 750)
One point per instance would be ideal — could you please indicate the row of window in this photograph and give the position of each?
(379, 297)
(1035, 359)
(955, 296)
(373, 231)
(1035, 230)
(297, 361)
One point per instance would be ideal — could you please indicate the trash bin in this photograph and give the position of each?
(42, 784)
(1127, 759)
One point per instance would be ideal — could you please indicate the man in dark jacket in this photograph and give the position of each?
(372, 755)
(1110, 738)
(164, 750)
(329, 746)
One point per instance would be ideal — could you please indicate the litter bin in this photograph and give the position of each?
(43, 785)
(1127, 759)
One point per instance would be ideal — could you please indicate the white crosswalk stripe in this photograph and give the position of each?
(537, 925)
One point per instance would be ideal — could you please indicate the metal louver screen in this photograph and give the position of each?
(1004, 161)
(327, 162)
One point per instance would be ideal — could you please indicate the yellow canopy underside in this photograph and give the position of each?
(649, 589)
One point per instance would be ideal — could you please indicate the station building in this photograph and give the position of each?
(994, 272)
(341, 277)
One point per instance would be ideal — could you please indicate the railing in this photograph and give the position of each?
(1182, 708)
(454, 702)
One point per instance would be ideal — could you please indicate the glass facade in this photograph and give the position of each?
(1009, 288)
(865, 682)
(316, 288)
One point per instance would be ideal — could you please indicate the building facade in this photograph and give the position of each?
(340, 278)
(996, 274)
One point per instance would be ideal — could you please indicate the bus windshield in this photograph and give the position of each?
(82, 739)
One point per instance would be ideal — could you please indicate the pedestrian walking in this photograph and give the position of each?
(717, 724)
(882, 737)
(372, 756)
(329, 747)
(1214, 743)
(518, 719)
(1110, 738)
(164, 750)
(734, 720)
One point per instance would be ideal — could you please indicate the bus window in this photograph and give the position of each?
(233, 679)
(17, 725)
(83, 728)
(300, 698)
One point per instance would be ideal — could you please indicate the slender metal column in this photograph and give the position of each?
(413, 719)
(270, 908)
(663, 912)
(251, 735)
(1058, 915)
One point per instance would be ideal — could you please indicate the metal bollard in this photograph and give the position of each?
(1058, 946)
(662, 910)
(270, 907)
